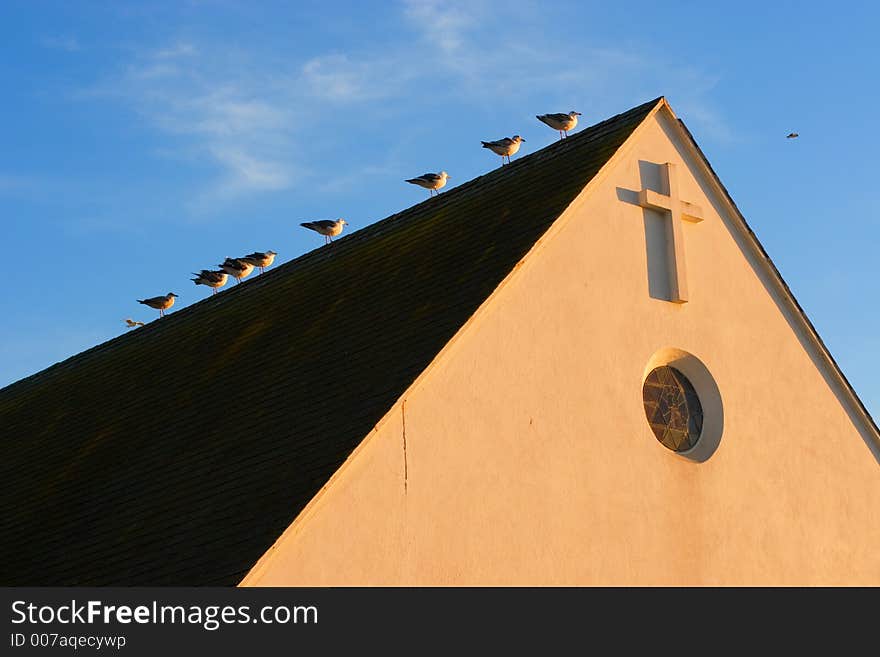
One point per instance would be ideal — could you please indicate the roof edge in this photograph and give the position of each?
(807, 326)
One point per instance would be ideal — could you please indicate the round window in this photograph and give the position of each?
(673, 408)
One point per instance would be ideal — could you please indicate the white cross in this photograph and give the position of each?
(677, 210)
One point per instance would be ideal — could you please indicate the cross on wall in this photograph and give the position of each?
(677, 210)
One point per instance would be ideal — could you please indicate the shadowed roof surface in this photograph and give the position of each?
(177, 453)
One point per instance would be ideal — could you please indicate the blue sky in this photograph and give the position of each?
(142, 141)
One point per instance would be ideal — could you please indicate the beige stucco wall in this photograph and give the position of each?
(528, 458)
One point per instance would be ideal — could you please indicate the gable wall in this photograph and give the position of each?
(527, 456)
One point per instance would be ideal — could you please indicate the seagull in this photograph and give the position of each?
(791, 135)
(131, 323)
(504, 147)
(159, 303)
(237, 268)
(561, 122)
(212, 279)
(329, 229)
(430, 181)
(260, 260)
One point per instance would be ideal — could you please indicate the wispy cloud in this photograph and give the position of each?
(13, 183)
(707, 119)
(353, 79)
(243, 174)
(331, 77)
(247, 117)
(444, 24)
(252, 115)
(488, 51)
(218, 111)
(65, 43)
(179, 49)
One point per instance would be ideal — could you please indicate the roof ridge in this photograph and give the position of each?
(453, 195)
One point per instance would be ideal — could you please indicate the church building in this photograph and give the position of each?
(579, 369)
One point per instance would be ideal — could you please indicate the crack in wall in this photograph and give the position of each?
(405, 470)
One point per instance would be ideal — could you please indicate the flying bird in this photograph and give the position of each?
(131, 323)
(237, 268)
(212, 279)
(504, 147)
(329, 229)
(159, 303)
(792, 135)
(561, 122)
(430, 181)
(258, 259)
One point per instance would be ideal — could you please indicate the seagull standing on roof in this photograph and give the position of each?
(504, 147)
(237, 268)
(430, 181)
(159, 303)
(131, 323)
(261, 260)
(561, 122)
(212, 279)
(329, 229)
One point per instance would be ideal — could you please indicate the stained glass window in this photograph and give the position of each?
(673, 408)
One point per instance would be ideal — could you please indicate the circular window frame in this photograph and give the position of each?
(707, 391)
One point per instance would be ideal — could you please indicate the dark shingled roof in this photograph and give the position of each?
(177, 453)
